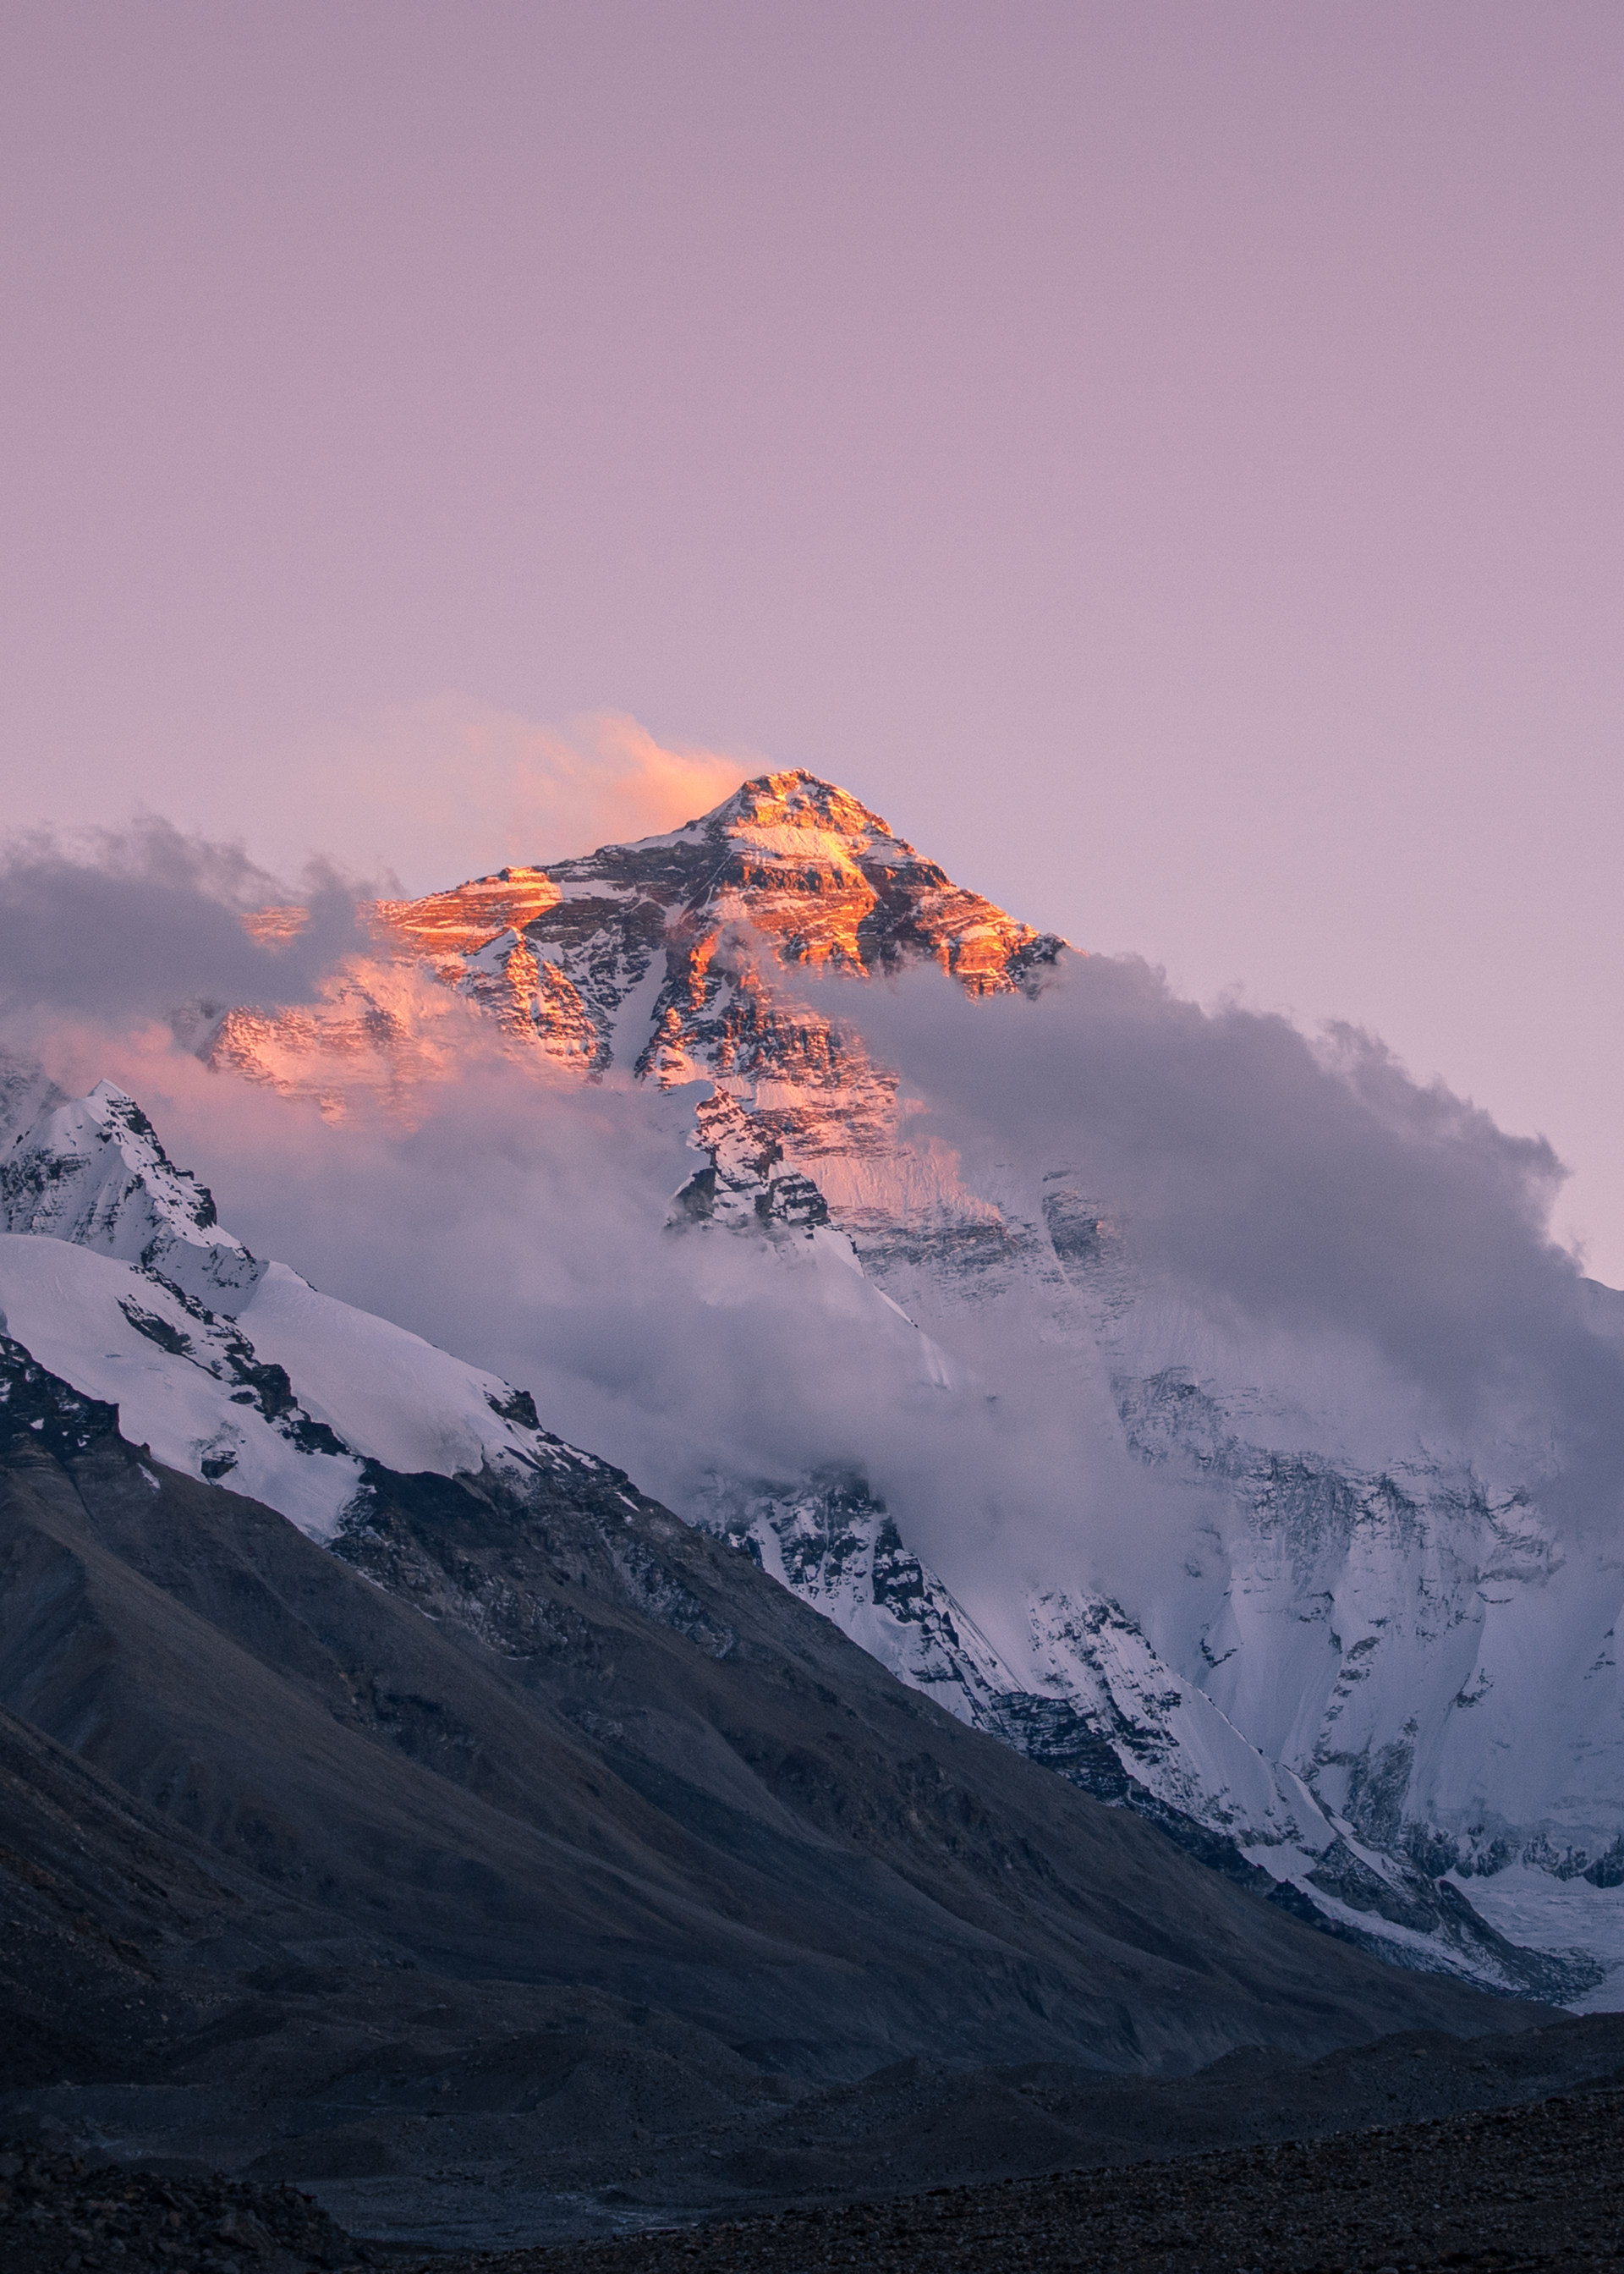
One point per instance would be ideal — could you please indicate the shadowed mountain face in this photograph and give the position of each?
(561, 1743)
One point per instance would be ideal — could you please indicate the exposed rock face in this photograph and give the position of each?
(747, 1185)
(657, 958)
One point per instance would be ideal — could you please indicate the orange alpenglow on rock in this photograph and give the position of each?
(648, 958)
(448, 925)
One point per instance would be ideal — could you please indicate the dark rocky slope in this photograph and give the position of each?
(538, 1831)
(61, 2213)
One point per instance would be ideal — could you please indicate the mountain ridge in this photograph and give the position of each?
(1323, 1701)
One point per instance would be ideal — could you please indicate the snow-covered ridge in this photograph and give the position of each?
(188, 1386)
(91, 1169)
(117, 1277)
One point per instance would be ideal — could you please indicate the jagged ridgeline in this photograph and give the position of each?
(1327, 1703)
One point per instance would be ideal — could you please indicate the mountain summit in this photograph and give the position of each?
(796, 857)
(646, 958)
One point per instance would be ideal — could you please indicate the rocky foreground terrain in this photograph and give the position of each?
(1531, 2186)
(61, 2210)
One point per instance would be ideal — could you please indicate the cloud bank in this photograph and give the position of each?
(116, 925)
(1307, 1191)
(1287, 1195)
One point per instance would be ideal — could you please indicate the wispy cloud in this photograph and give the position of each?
(450, 787)
(1286, 1189)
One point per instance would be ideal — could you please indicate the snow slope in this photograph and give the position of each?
(188, 1386)
(388, 1394)
(276, 1391)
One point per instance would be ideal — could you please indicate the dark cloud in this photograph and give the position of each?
(138, 922)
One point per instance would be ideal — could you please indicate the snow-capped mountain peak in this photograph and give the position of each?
(648, 957)
(91, 1169)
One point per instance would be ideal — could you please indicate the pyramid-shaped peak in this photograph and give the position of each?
(649, 956)
(797, 800)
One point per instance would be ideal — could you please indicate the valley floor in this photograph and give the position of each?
(1433, 2152)
(1530, 2187)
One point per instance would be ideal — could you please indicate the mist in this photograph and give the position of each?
(523, 1221)
(1289, 1201)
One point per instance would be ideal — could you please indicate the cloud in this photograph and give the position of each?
(450, 787)
(122, 925)
(1292, 1202)
(1280, 1187)
(520, 1219)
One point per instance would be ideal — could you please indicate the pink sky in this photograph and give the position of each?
(1166, 458)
